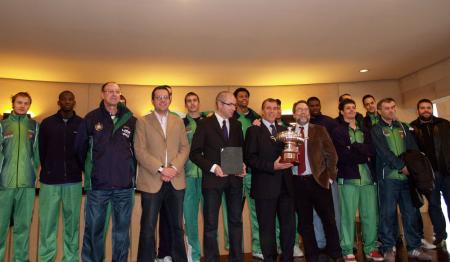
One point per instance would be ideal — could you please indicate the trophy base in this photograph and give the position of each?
(289, 157)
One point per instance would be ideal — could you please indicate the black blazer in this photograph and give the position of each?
(206, 145)
(261, 151)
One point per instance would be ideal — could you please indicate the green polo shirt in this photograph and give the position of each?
(374, 118)
(245, 122)
(395, 137)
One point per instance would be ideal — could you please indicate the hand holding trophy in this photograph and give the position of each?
(291, 140)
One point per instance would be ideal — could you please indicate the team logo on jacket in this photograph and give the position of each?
(7, 135)
(30, 134)
(402, 134)
(98, 126)
(126, 131)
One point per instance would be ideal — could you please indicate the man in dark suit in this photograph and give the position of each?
(271, 184)
(212, 135)
(312, 178)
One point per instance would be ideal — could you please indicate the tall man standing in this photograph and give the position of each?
(162, 149)
(271, 184)
(193, 173)
(106, 136)
(19, 159)
(212, 135)
(433, 138)
(391, 138)
(60, 181)
(312, 178)
(248, 117)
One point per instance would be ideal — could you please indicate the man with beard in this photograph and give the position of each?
(312, 177)
(433, 138)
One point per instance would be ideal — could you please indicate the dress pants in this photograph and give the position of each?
(151, 205)
(266, 211)
(212, 198)
(310, 195)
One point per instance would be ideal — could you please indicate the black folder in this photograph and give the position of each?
(231, 160)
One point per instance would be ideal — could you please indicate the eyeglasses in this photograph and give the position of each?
(228, 104)
(112, 92)
(160, 98)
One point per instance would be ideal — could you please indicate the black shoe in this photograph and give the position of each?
(439, 243)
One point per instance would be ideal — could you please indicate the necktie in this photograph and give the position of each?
(225, 130)
(273, 131)
(301, 155)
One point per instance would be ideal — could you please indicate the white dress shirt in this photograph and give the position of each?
(308, 166)
(227, 122)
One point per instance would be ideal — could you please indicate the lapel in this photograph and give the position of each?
(170, 124)
(311, 137)
(216, 127)
(156, 125)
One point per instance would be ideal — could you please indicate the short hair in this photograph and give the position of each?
(367, 96)
(241, 89)
(22, 94)
(345, 102)
(163, 87)
(169, 88)
(385, 100)
(297, 103)
(268, 100)
(107, 83)
(65, 92)
(278, 102)
(341, 97)
(424, 100)
(313, 98)
(221, 95)
(191, 94)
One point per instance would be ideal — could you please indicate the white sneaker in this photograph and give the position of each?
(164, 259)
(298, 252)
(258, 256)
(419, 255)
(427, 245)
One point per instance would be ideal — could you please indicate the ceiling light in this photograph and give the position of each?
(364, 70)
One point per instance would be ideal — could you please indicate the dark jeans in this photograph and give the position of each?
(151, 205)
(95, 215)
(310, 195)
(266, 211)
(442, 184)
(165, 240)
(393, 192)
(212, 198)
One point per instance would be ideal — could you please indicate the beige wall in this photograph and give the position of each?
(138, 97)
(432, 82)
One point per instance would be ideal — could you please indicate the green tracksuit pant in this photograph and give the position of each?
(18, 203)
(52, 198)
(364, 198)
(191, 205)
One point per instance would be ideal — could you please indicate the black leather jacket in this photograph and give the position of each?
(441, 141)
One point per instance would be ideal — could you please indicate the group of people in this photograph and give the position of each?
(347, 164)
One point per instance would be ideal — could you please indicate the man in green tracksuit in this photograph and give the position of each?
(193, 193)
(19, 161)
(357, 189)
(247, 117)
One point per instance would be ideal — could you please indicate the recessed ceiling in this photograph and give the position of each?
(220, 42)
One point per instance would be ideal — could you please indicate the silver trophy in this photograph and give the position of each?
(291, 140)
